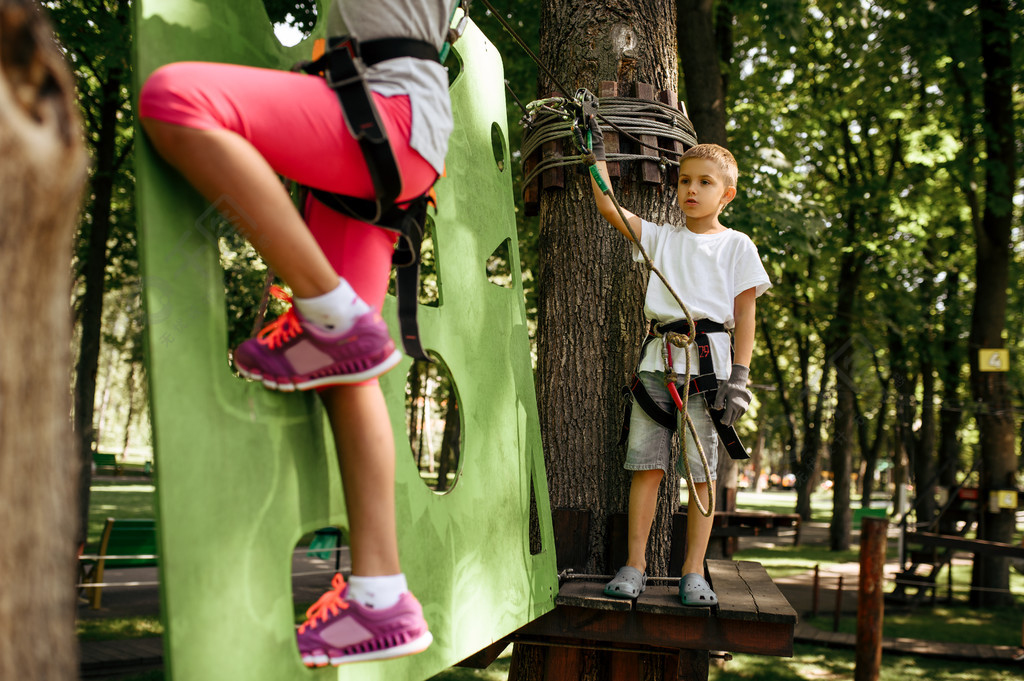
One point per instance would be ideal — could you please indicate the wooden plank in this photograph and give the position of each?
(771, 603)
(583, 594)
(734, 598)
(482, 659)
(664, 600)
(620, 629)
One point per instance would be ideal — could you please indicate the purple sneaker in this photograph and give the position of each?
(339, 631)
(292, 354)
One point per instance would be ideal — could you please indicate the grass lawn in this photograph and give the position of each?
(809, 662)
(959, 623)
(128, 499)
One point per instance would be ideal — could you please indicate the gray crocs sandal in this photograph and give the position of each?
(694, 590)
(627, 583)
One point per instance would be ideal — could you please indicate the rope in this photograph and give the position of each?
(628, 116)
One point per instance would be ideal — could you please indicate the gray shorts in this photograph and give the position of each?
(650, 445)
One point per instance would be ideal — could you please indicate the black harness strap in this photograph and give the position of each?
(343, 64)
(704, 383)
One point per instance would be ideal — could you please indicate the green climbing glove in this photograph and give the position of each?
(596, 139)
(733, 395)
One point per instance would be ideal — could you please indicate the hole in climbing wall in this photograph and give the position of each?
(293, 20)
(499, 271)
(434, 424)
(498, 146)
(317, 556)
(453, 64)
(430, 282)
(535, 543)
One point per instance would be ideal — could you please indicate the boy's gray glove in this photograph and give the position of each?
(596, 139)
(733, 395)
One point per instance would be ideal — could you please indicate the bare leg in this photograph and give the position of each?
(226, 169)
(366, 456)
(698, 530)
(643, 502)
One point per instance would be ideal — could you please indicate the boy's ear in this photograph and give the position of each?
(730, 194)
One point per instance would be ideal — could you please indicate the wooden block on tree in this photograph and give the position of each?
(609, 88)
(552, 178)
(669, 97)
(650, 171)
(531, 191)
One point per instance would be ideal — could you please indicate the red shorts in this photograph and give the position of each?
(294, 120)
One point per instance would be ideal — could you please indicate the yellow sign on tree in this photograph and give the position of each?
(994, 359)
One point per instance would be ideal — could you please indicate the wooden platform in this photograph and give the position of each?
(752, 617)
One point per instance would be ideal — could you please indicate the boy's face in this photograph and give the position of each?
(702, 192)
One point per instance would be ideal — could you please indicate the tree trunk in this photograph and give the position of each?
(91, 304)
(590, 293)
(42, 169)
(925, 478)
(699, 51)
(840, 354)
(991, 577)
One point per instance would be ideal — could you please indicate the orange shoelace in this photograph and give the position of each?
(328, 604)
(282, 329)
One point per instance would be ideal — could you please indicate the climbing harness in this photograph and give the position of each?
(705, 383)
(343, 64)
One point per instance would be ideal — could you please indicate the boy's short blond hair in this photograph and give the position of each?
(718, 155)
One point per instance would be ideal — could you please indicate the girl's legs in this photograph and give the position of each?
(231, 173)
(366, 457)
(643, 502)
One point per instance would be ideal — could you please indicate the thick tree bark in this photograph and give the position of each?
(42, 169)
(590, 296)
(991, 578)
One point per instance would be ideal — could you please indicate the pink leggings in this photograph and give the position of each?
(295, 121)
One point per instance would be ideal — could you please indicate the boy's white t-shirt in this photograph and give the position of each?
(707, 271)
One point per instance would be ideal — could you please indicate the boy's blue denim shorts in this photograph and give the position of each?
(650, 446)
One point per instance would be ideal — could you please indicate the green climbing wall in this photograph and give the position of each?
(243, 472)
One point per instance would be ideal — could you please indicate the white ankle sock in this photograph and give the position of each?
(377, 592)
(334, 311)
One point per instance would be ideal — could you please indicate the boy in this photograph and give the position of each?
(718, 275)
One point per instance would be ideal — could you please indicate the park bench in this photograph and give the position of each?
(752, 616)
(101, 460)
(123, 544)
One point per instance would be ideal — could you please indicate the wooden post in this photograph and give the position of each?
(814, 593)
(839, 605)
(871, 599)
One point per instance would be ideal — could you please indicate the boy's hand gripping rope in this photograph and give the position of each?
(585, 103)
